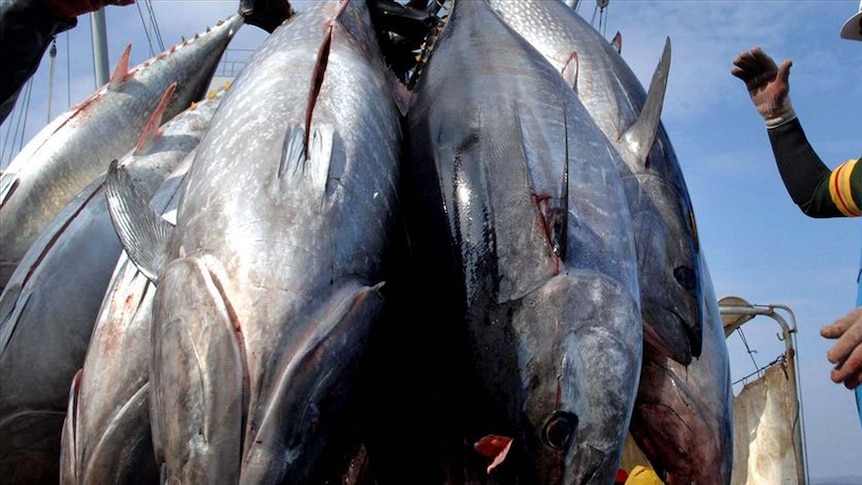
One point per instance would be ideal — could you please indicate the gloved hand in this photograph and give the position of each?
(266, 14)
(846, 354)
(73, 8)
(768, 85)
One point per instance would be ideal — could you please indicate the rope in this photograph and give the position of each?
(155, 25)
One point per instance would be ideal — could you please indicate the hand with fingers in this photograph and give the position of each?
(846, 354)
(768, 85)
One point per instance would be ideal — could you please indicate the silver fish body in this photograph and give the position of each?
(665, 231)
(534, 249)
(269, 286)
(70, 152)
(106, 435)
(48, 309)
(683, 416)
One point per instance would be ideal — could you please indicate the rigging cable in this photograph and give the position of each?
(155, 24)
(68, 73)
(52, 57)
(146, 30)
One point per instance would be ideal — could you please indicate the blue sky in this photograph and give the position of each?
(759, 246)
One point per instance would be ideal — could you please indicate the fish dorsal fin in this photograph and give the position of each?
(143, 233)
(617, 42)
(641, 134)
(570, 71)
(153, 127)
(121, 70)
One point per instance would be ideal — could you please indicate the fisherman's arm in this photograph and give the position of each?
(817, 190)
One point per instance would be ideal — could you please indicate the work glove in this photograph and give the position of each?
(846, 354)
(73, 8)
(768, 85)
(265, 14)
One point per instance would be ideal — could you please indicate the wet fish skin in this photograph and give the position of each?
(683, 416)
(661, 208)
(274, 267)
(106, 434)
(70, 152)
(48, 310)
(533, 242)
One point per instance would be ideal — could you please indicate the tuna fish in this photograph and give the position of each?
(269, 285)
(106, 436)
(665, 231)
(523, 221)
(683, 417)
(63, 158)
(48, 310)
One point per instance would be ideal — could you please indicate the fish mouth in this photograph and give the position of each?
(662, 334)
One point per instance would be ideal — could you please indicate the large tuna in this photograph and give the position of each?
(106, 436)
(683, 416)
(524, 228)
(268, 287)
(48, 310)
(665, 232)
(77, 146)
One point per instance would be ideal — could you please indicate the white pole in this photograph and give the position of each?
(100, 47)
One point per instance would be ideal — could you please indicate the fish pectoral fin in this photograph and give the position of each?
(69, 458)
(144, 234)
(570, 71)
(306, 165)
(640, 136)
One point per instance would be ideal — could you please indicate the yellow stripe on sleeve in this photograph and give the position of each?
(841, 191)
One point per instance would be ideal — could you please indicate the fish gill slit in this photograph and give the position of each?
(240, 339)
(317, 77)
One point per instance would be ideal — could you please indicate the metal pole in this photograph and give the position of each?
(100, 47)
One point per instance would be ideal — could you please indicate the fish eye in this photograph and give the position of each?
(685, 276)
(559, 430)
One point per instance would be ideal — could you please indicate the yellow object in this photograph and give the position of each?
(641, 475)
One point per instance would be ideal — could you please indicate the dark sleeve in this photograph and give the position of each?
(26, 30)
(810, 183)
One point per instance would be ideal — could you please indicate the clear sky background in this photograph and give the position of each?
(758, 244)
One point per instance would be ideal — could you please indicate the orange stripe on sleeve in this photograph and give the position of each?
(840, 190)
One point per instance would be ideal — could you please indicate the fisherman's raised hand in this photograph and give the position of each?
(846, 354)
(767, 83)
(73, 8)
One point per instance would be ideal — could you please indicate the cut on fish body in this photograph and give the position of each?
(74, 149)
(523, 220)
(270, 286)
(665, 232)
